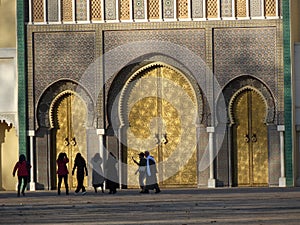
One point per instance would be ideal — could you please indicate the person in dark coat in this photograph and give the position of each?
(141, 170)
(62, 171)
(151, 170)
(97, 175)
(111, 174)
(23, 167)
(80, 164)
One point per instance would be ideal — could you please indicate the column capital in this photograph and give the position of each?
(100, 131)
(210, 129)
(280, 128)
(31, 133)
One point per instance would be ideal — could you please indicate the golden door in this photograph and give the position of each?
(250, 140)
(70, 132)
(161, 114)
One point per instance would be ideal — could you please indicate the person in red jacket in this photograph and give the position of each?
(62, 171)
(23, 168)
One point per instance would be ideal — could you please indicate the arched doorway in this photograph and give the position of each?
(160, 107)
(68, 122)
(250, 139)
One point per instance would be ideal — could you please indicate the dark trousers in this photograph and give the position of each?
(25, 181)
(65, 177)
(80, 184)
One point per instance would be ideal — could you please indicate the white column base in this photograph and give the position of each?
(211, 183)
(32, 186)
(282, 182)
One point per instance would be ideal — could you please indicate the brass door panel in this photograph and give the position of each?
(250, 140)
(70, 131)
(156, 124)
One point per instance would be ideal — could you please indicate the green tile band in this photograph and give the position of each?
(21, 77)
(287, 93)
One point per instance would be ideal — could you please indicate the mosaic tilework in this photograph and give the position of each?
(55, 55)
(212, 8)
(153, 9)
(139, 9)
(168, 9)
(255, 8)
(226, 8)
(81, 10)
(270, 7)
(197, 9)
(240, 8)
(182, 8)
(96, 10)
(124, 10)
(38, 10)
(52, 10)
(110, 10)
(66, 10)
(288, 142)
(193, 39)
(21, 78)
(240, 51)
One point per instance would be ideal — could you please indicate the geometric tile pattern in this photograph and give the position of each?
(52, 10)
(139, 9)
(67, 14)
(255, 8)
(124, 9)
(55, 55)
(240, 51)
(193, 39)
(153, 9)
(212, 8)
(38, 10)
(270, 7)
(168, 9)
(110, 10)
(240, 8)
(182, 8)
(81, 10)
(226, 8)
(197, 9)
(96, 10)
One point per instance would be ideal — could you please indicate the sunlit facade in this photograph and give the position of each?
(201, 84)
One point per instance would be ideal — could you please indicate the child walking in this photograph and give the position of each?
(23, 167)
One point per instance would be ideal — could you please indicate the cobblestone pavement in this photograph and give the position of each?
(171, 206)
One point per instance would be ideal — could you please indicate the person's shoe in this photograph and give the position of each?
(75, 193)
(84, 193)
(145, 192)
(23, 193)
(157, 191)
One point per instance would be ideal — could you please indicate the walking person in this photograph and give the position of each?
(111, 174)
(23, 167)
(97, 175)
(80, 164)
(62, 171)
(151, 170)
(141, 170)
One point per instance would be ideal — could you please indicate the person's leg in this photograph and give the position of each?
(78, 185)
(24, 185)
(66, 184)
(19, 184)
(59, 184)
(156, 187)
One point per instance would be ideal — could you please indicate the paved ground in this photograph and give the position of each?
(172, 206)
